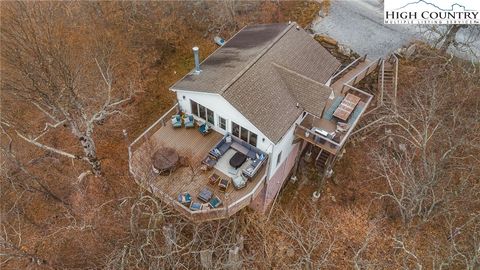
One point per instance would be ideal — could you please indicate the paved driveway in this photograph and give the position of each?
(359, 25)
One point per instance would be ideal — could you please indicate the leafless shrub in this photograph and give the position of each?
(309, 240)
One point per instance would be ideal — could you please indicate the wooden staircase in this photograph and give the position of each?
(387, 96)
(387, 81)
(321, 161)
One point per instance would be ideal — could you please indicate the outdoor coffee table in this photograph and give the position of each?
(205, 195)
(237, 160)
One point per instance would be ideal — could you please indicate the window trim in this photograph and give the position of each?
(241, 130)
(198, 113)
(220, 123)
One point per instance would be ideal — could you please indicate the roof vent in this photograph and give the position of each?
(196, 59)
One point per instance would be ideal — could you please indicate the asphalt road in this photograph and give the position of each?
(359, 25)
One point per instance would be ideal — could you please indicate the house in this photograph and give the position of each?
(268, 93)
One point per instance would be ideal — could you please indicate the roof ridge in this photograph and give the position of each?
(300, 75)
(287, 85)
(262, 53)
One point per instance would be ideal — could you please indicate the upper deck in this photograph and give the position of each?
(192, 147)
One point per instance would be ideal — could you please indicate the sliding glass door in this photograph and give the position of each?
(202, 112)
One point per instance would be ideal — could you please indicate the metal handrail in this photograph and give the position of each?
(370, 97)
(162, 118)
(353, 63)
(364, 70)
(322, 137)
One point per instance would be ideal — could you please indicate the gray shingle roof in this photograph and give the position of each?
(272, 69)
(222, 66)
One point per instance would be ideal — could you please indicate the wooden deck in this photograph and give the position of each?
(192, 147)
(311, 121)
(354, 76)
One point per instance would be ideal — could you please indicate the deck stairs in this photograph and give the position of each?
(387, 96)
(389, 78)
(321, 161)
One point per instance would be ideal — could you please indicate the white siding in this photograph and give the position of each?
(223, 108)
(285, 146)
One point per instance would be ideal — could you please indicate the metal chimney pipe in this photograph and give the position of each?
(197, 59)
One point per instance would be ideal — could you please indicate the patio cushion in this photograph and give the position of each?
(224, 147)
(240, 148)
(196, 206)
(184, 198)
(239, 181)
(252, 154)
(189, 121)
(176, 121)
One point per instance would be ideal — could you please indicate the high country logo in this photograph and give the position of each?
(432, 12)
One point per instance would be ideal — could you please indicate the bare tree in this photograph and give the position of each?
(462, 37)
(68, 81)
(309, 237)
(429, 138)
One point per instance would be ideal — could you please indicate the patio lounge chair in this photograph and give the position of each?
(209, 161)
(213, 179)
(196, 206)
(204, 129)
(185, 198)
(176, 121)
(189, 121)
(215, 202)
(223, 184)
(239, 181)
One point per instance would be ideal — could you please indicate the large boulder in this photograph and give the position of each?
(326, 40)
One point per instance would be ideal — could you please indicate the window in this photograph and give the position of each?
(210, 117)
(279, 157)
(222, 123)
(194, 107)
(202, 112)
(244, 134)
(235, 129)
(253, 139)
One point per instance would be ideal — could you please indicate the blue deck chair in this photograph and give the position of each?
(215, 202)
(185, 198)
(189, 121)
(204, 129)
(196, 206)
(176, 121)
